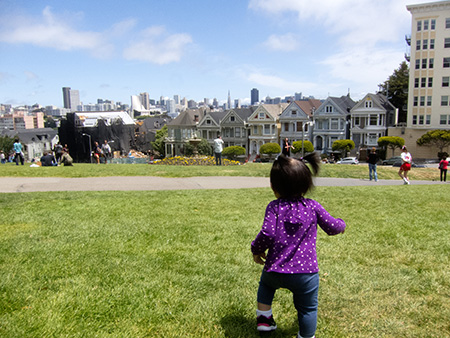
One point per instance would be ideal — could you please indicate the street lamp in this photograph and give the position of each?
(310, 123)
(90, 146)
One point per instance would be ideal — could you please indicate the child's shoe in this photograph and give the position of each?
(266, 324)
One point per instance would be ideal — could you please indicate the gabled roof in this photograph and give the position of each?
(27, 136)
(308, 106)
(379, 101)
(343, 104)
(189, 117)
(274, 110)
(242, 113)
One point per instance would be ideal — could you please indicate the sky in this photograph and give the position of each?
(198, 48)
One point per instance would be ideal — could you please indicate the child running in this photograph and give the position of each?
(406, 165)
(289, 232)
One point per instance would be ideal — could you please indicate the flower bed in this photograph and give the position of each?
(209, 160)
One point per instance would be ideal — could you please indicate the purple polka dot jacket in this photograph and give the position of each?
(289, 232)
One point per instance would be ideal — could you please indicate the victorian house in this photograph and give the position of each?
(332, 122)
(263, 125)
(370, 118)
(296, 120)
(181, 130)
(234, 127)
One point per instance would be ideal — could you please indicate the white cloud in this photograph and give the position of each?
(351, 21)
(51, 31)
(155, 45)
(287, 42)
(31, 76)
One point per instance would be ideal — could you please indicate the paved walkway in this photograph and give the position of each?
(32, 184)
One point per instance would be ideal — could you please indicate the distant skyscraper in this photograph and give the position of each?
(298, 96)
(176, 98)
(254, 96)
(145, 100)
(237, 103)
(71, 98)
(229, 101)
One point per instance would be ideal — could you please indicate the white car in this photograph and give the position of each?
(348, 160)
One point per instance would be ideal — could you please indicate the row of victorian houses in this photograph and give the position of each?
(321, 122)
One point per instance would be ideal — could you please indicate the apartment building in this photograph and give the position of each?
(429, 77)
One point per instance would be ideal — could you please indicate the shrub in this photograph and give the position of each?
(203, 148)
(308, 147)
(270, 149)
(233, 151)
(343, 145)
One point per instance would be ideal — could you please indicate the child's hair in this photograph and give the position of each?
(292, 178)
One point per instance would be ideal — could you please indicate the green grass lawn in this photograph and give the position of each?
(249, 169)
(178, 263)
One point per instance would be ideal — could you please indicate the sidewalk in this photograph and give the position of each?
(141, 183)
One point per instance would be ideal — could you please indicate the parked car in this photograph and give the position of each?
(392, 160)
(348, 160)
(413, 165)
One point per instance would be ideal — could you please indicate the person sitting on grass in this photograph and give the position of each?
(289, 233)
(48, 160)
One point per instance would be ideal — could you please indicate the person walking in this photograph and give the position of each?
(106, 149)
(406, 165)
(372, 159)
(18, 154)
(443, 165)
(218, 148)
(289, 233)
(97, 152)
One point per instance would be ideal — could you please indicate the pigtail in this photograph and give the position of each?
(314, 160)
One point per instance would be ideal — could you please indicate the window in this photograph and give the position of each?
(266, 129)
(261, 116)
(446, 63)
(447, 43)
(431, 43)
(286, 126)
(357, 121)
(418, 45)
(431, 63)
(416, 101)
(294, 113)
(237, 132)
(372, 139)
(433, 24)
(420, 119)
(373, 120)
(423, 82)
(419, 26)
(417, 63)
(422, 101)
(416, 82)
(368, 104)
(443, 120)
(299, 126)
(334, 124)
(430, 82)
(329, 109)
(208, 121)
(445, 81)
(414, 121)
(429, 101)
(428, 119)
(425, 24)
(232, 119)
(444, 100)
(447, 23)
(424, 63)
(255, 130)
(319, 124)
(425, 44)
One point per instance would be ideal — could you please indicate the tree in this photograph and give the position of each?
(395, 88)
(308, 147)
(233, 152)
(343, 145)
(6, 144)
(391, 142)
(437, 138)
(159, 144)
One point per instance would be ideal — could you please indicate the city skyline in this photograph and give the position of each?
(198, 49)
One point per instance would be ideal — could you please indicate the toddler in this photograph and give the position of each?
(289, 234)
